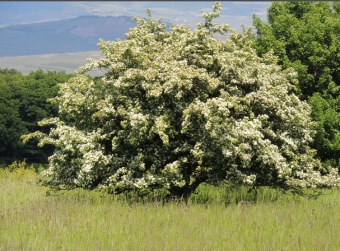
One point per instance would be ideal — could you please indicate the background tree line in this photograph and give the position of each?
(23, 102)
(304, 35)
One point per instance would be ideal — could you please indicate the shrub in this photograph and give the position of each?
(18, 170)
(178, 109)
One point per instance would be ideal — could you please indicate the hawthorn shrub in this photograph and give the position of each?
(178, 109)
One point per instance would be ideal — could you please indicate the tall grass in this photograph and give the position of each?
(214, 219)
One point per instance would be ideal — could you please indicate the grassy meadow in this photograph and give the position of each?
(214, 219)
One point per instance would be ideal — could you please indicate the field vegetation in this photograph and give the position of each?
(216, 218)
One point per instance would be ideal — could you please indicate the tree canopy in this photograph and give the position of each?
(180, 108)
(306, 37)
(23, 101)
(11, 125)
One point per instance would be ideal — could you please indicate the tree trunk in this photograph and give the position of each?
(187, 190)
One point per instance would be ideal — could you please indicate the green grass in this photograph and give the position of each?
(214, 219)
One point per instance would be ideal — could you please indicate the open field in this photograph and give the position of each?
(68, 62)
(81, 220)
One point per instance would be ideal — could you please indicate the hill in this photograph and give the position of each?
(176, 12)
(63, 36)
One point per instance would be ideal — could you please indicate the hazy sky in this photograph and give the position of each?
(176, 12)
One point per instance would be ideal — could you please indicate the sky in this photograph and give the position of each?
(176, 12)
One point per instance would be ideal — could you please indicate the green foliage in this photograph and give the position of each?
(9, 71)
(19, 170)
(326, 112)
(11, 125)
(178, 109)
(36, 89)
(306, 36)
(23, 102)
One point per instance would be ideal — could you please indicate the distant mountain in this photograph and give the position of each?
(70, 35)
(44, 27)
(176, 12)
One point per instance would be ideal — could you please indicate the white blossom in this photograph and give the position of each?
(177, 107)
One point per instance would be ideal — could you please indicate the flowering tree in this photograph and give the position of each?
(180, 108)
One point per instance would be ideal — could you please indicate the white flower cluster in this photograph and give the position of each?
(179, 108)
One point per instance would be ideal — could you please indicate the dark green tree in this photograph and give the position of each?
(9, 71)
(23, 103)
(327, 138)
(11, 125)
(306, 36)
(36, 89)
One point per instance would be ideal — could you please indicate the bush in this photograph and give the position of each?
(178, 109)
(19, 170)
